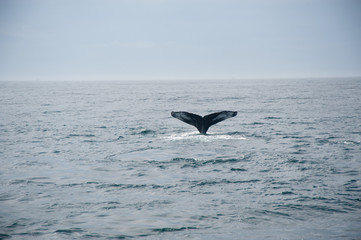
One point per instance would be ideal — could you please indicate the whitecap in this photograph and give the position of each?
(194, 135)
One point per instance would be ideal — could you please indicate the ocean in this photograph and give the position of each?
(105, 160)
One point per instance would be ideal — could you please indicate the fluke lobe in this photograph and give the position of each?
(203, 123)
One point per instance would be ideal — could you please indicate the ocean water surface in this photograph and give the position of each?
(105, 160)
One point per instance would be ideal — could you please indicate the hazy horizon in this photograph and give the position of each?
(179, 40)
(188, 79)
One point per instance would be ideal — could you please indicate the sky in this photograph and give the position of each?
(179, 39)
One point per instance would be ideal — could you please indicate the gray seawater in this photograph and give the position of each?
(105, 160)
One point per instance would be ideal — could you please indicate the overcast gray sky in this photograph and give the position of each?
(178, 39)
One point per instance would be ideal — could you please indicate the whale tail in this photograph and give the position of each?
(203, 123)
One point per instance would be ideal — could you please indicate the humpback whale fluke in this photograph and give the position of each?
(203, 123)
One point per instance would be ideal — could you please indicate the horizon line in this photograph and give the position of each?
(182, 79)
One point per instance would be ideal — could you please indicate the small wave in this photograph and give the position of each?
(236, 133)
(6, 197)
(257, 123)
(145, 132)
(287, 193)
(194, 163)
(115, 139)
(80, 135)
(350, 142)
(333, 140)
(226, 160)
(4, 236)
(301, 122)
(322, 141)
(295, 137)
(162, 230)
(223, 181)
(141, 149)
(183, 160)
(272, 213)
(18, 181)
(324, 208)
(69, 231)
(238, 169)
(51, 112)
(131, 186)
(270, 118)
